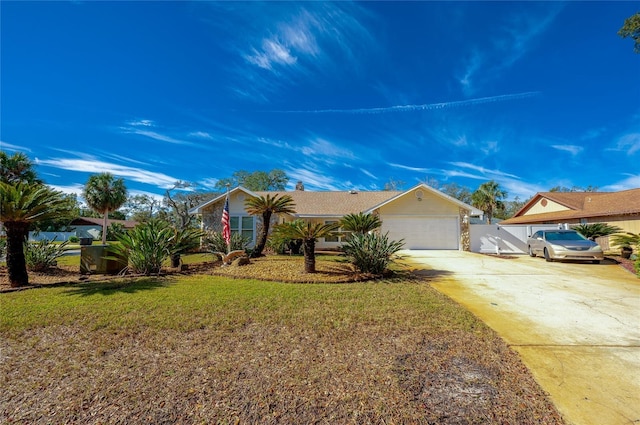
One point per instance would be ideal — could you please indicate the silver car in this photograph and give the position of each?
(564, 245)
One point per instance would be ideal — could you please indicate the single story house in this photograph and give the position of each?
(620, 209)
(423, 216)
(89, 227)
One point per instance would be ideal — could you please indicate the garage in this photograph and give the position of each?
(423, 232)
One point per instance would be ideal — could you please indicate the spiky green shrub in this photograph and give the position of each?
(595, 230)
(360, 222)
(74, 239)
(149, 244)
(214, 242)
(42, 255)
(630, 240)
(371, 252)
(114, 231)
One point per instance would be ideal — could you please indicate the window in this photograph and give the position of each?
(243, 225)
(341, 235)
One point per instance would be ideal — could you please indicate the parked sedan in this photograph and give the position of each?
(564, 245)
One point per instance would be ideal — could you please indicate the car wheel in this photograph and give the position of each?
(531, 253)
(547, 256)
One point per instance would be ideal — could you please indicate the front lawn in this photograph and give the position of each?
(210, 349)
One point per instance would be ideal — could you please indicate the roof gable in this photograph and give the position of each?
(581, 205)
(338, 203)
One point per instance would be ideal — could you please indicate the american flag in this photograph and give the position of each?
(226, 227)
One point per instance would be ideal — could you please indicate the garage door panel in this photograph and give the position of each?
(423, 232)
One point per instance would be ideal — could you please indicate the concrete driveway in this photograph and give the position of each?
(576, 326)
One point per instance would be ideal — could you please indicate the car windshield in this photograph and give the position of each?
(564, 236)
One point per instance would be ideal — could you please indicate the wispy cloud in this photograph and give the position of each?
(315, 178)
(369, 174)
(572, 149)
(141, 123)
(512, 41)
(484, 171)
(406, 167)
(9, 147)
(323, 148)
(89, 164)
(629, 143)
(420, 107)
(632, 181)
(155, 135)
(201, 135)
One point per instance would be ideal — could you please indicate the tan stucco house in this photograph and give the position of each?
(423, 216)
(621, 209)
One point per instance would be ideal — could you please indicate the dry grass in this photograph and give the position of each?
(209, 349)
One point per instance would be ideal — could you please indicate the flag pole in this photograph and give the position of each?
(226, 222)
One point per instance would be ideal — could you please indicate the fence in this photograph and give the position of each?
(507, 239)
(59, 236)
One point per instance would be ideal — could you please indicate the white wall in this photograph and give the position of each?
(507, 239)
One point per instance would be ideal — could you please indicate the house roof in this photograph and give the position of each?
(337, 203)
(581, 205)
(90, 221)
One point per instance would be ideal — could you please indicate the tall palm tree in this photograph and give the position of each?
(360, 223)
(308, 232)
(266, 206)
(104, 193)
(489, 198)
(20, 205)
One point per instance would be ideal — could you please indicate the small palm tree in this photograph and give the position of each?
(266, 207)
(104, 193)
(360, 223)
(595, 230)
(21, 205)
(308, 232)
(489, 198)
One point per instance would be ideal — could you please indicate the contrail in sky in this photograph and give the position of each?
(425, 107)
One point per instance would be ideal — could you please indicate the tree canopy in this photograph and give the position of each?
(17, 168)
(489, 198)
(631, 28)
(104, 193)
(275, 179)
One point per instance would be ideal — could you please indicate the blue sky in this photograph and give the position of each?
(339, 95)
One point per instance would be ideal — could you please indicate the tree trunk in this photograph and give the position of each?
(16, 264)
(310, 255)
(264, 234)
(104, 228)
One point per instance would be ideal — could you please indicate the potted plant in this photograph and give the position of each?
(626, 243)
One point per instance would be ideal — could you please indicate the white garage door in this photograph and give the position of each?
(423, 232)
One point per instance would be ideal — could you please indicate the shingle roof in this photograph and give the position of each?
(581, 205)
(334, 204)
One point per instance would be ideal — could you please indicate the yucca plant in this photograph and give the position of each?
(149, 244)
(214, 242)
(42, 255)
(595, 230)
(371, 252)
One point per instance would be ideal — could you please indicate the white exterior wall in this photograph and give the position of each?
(507, 239)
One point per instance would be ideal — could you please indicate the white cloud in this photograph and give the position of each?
(485, 171)
(406, 167)
(572, 149)
(324, 148)
(93, 165)
(141, 123)
(369, 174)
(201, 135)
(632, 181)
(629, 143)
(209, 183)
(9, 147)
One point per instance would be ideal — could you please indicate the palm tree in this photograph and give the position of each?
(489, 198)
(21, 205)
(360, 223)
(266, 207)
(104, 193)
(308, 232)
(17, 168)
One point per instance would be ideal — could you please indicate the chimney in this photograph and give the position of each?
(300, 185)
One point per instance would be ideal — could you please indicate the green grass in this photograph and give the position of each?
(204, 349)
(205, 301)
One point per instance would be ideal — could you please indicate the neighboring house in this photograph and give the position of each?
(424, 217)
(88, 227)
(621, 209)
